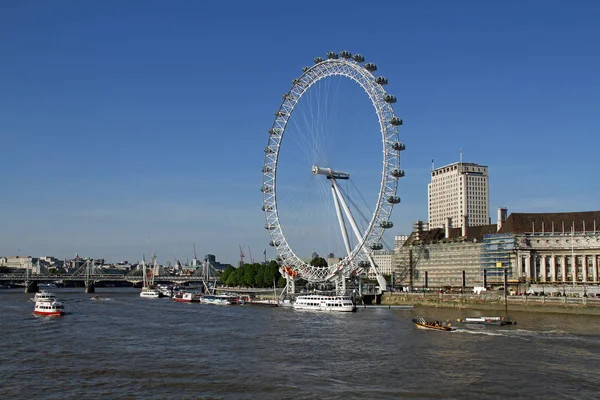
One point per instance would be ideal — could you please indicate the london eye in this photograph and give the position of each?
(333, 182)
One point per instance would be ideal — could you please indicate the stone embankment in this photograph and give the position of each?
(493, 301)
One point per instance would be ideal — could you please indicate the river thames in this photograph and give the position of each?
(126, 347)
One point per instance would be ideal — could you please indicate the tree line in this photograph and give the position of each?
(253, 275)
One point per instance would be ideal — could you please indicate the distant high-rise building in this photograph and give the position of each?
(459, 194)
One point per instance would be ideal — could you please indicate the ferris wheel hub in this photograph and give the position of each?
(329, 173)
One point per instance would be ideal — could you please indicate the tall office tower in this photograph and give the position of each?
(459, 191)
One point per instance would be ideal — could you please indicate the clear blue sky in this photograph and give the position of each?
(123, 120)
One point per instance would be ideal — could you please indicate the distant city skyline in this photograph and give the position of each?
(123, 121)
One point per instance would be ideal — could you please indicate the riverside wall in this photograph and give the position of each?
(490, 301)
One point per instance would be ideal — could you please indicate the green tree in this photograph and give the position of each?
(228, 271)
(231, 280)
(249, 278)
(239, 275)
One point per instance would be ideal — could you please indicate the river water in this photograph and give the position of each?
(127, 347)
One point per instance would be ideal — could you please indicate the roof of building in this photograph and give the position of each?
(588, 221)
(470, 164)
(438, 234)
(551, 222)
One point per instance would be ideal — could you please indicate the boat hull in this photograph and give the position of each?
(325, 308)
(50, 313)
(265, 303)
(495, 323)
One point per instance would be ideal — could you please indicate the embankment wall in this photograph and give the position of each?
(564, 305)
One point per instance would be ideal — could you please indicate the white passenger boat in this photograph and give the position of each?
(46, 304)
(52, 308)
(319, 302)
(220, 299)
(149, 293)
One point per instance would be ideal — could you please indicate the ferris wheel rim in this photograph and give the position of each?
(363, 76)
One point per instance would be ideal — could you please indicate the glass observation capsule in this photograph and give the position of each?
(397, 173)
(393, 199)
(370, 67)
(398, 146)
(396, 121)
(388, 98)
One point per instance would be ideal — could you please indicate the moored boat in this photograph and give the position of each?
(421, 323)
(498, 321)
(263, 302)
(150, 293)
(187, 297)
(219, 299)
(319, 302)
(166, 290)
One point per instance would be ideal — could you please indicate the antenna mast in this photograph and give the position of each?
(195, 262)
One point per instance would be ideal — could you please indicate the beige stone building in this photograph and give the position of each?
(547, 248)
(21, 262)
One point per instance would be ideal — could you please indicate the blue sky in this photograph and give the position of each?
(123, 121)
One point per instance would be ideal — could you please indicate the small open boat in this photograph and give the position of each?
(435, 325)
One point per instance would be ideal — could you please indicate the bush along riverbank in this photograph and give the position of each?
(565, 305)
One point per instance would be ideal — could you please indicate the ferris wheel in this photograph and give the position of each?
(357, 240)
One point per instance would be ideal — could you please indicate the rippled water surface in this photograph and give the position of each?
(132, 348)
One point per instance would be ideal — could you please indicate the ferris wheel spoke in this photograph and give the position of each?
(340, 217)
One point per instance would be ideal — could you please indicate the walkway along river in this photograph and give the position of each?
(495, 301)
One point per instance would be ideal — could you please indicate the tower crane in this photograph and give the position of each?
(241, 256)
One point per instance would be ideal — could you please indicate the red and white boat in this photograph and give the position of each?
(47, 305)
(187, 297)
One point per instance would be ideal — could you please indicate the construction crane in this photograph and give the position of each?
(250, 254)
(241, 264)
(242, 255)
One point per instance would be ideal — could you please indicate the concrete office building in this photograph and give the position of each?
(457, 191)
